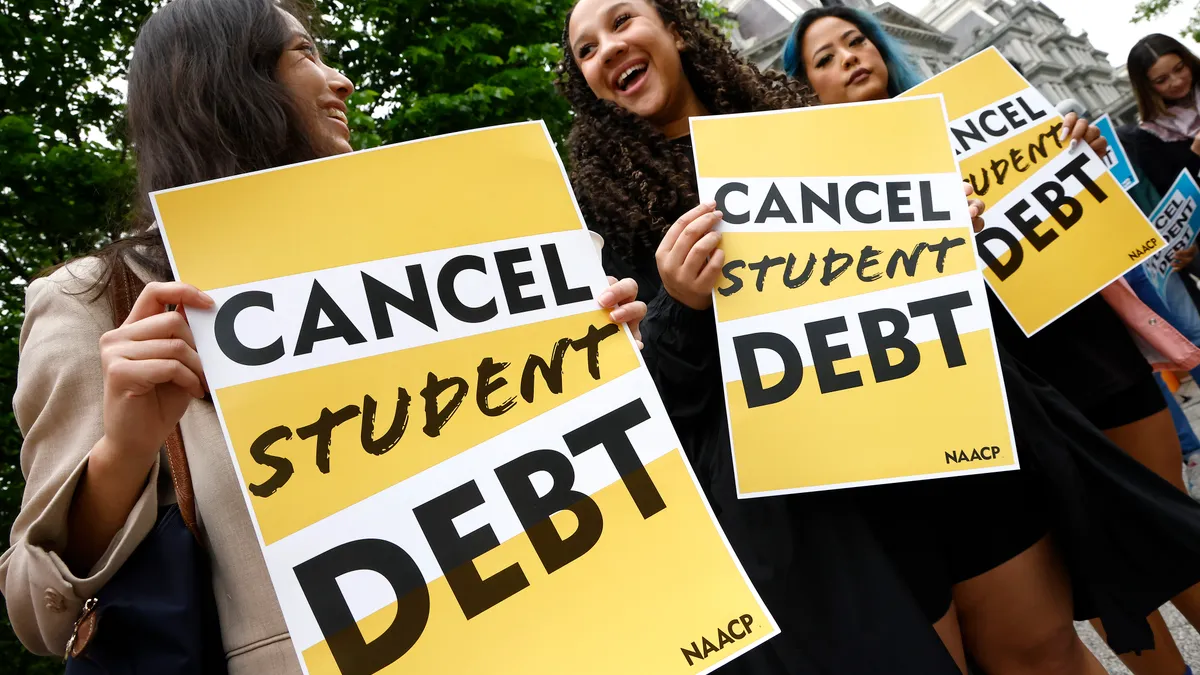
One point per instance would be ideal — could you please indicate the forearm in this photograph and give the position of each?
(107, 491)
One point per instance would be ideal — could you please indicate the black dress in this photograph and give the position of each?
(1090, 357)
(847, 573)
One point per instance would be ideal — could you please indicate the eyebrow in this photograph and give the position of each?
(611, 10)
(830, 44)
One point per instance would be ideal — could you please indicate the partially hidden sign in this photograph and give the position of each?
(855, 338)
(1175, 220)
(1059, 225)
(1116, 159)
(455, 462)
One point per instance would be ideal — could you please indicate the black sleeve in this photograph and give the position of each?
(681, 354)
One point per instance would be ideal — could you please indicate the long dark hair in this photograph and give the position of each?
(631, 182)
(204, 103)
(901, 74)
(1142, 57)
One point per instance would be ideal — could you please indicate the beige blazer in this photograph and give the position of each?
(59, 408)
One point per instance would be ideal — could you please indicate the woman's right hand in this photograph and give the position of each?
(688, 258)
(151, 370)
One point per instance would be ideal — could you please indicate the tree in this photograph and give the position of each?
(1150, 9)
(66, 179)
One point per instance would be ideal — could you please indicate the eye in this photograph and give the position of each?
(858, 40)
(585, 50)
(621, 20)
(824, 60)
(308, 49)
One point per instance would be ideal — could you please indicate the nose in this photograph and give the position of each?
(339, 84)
(849, 60)
(611, 48)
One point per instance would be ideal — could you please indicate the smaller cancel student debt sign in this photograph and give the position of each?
(454, 461)
(1059, 226)
(855, 339)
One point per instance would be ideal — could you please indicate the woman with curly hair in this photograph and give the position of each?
(634, 71)
(839, 601)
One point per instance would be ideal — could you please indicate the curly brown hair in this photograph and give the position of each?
(630, 180)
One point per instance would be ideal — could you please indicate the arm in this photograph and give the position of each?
(59, 408)
(95, 407)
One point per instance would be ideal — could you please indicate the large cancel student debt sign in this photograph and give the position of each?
(455, 462)
(1059, 226)
(855, 339)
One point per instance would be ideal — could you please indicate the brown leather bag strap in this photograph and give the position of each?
(125, 287)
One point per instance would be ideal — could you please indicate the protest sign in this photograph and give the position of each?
(1175, 220)
(853, 326)
(1059, 226)
(454, 461)
(1115, 159)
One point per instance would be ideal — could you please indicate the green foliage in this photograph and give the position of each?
(65, 182)
(66, 178)
(432, 68)
(1151, 9)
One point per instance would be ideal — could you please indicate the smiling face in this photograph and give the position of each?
(629, 56)
(319, 91)
(842, 65)
(1171, 77)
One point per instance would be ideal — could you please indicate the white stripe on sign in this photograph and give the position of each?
(304, 321)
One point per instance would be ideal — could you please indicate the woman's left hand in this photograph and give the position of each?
(621, 298)
(975, 207)
(1184, 258)
(1076, 128)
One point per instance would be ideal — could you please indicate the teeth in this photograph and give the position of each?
(628, 72)
(337, 114)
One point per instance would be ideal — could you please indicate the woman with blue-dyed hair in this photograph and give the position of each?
(899, 75)
(1088, 355)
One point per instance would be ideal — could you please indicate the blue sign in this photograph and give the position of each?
(1175, 220)
(1116, 160)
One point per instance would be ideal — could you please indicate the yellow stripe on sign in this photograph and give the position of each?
(870, 139)
(812, 439)
(975, 83)
(422, 196)
(296, 400)
(1004, 167)
(1109, 239)
(868, 261)
(678, 585)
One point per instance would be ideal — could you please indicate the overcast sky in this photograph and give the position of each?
(1107, 22)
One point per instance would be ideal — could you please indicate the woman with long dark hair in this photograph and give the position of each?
(1164, 73)
(216, 88)
(1087, 354)
(634, 72)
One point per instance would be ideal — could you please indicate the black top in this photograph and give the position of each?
(1131, 541)
(1161, 161)
(1087, 354)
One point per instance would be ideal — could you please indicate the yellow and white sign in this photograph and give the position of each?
(1059, 226)
(855, 338)
(454, 461)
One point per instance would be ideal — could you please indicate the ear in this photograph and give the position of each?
(680, 43)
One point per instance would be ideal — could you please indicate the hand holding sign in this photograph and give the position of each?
(621, 296)
(1076, 128)
(1184, 258)
(151, 369)
(688, 258)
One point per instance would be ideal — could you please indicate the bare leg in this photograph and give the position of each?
(948, 630)
(1017, 618)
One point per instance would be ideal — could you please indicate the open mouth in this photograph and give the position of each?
(631, 76)
(337, 115)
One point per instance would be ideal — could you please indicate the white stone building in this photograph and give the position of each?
(1028, 33)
